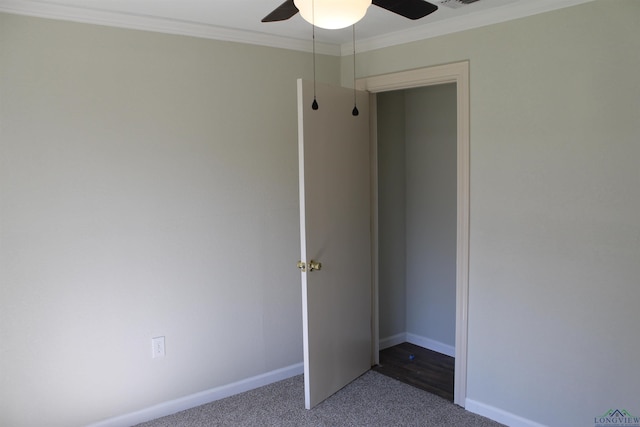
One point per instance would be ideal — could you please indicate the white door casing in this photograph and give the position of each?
(457, 73)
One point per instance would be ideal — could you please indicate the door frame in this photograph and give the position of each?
(457, 73)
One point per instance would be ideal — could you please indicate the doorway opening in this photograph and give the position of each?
(417, 235)
(458, 75)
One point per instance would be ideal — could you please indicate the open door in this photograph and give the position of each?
(335, 230)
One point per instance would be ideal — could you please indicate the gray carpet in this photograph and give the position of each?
(371, 400)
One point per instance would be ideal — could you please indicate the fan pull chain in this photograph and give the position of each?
(355, 111)
(314, 104)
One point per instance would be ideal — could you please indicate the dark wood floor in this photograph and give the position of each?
(419, 367)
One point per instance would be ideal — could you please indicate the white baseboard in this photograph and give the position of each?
(392, 340)
(503, 417)
(430, 344)
(197, 399)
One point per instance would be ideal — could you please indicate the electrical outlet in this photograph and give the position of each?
(157, 347)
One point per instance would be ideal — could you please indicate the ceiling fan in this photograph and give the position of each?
(411, 9)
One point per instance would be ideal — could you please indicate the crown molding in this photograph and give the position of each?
(478, 19)
(160, 25)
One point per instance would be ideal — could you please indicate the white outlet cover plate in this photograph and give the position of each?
(157, 347)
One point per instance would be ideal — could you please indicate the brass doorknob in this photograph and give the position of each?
(314, 265)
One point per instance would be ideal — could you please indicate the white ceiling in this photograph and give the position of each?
(239, 20)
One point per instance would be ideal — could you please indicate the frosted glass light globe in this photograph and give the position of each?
(332, 14)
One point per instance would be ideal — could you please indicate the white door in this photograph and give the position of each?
(335, 229)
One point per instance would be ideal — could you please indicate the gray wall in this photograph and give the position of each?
(555, 235)
(417, 212)
(148, 186)
(431, 212)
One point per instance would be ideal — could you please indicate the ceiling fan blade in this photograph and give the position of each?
(412, 9)
(283, 12)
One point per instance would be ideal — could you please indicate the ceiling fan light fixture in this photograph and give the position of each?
(332, 14)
